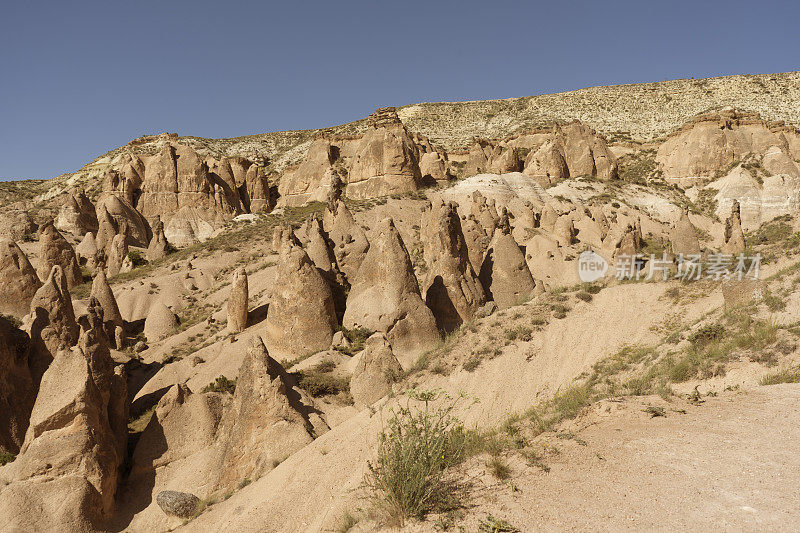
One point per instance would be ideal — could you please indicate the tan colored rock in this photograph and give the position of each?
(504, 159)
(264, 424)
(160, 322)
(478, 158)
(124, 214)
(258, 188)
(301, 317)
(452, 289)
(476, 239)
(87, 252)
(107, 229)
(571, 150)
(712, 142)
(483, 213)
(504, 272)
(117, 253)
(237, 302)
(77, 215)
(684, 237)
(564, 230)
(17, 225)
(311, 181)
(102, 292)
(386, 159)
(546, 164)
(53, 326)
(55, 250)
(17, 389)
(18, 280)
(350, 244)
(71, 437)
(433, 168)
(733, 237)
(384, 297)
(157, 249)
(375, 372)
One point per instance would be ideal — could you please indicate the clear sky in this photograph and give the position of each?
(78, 78)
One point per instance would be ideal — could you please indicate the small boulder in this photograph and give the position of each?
(180, 504)
(377, 369)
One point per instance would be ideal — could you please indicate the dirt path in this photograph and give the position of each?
(730, 464)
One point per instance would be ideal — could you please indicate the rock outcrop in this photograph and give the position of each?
(384, 297)
(53, 327)
(350, 244)
(301, 317)
(452, 289)
(65, 476)
(237, 302)
(572, 150)
(733, 238)
(712, 142)
(433, 168)
(87, 252)
(160, 322)
(504, 272)
(191, 200)
(17, 389)
(101, 291)
(258, 188)
(386, 159)
(311, 181)
(157, 249)
(117, 253)
(375, 372)
(18, 280)
(684, 237)
(265, 422)
(55, 250)
(124, 214)
(77, 215)
(16, 225)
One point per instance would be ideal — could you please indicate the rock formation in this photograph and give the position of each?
(712, 142)
(55, 250)
(375, 372)
(17, 390)
(433, 168)
(190, 200)
(102, 292)
(16, 225)
(350, 243)
(53, 326)
(125, 215)
(18, 280)
(258, 187)
(160, 322)
(452, 290)
(504, 159)
(117, 253)
(684, 236)
(107, 228)
(504, 272)
(478, 158)
(301, 317)
(384, 297)
(264, 423)
(571, 150)
(733, 237)
(237, 302)
(87, 252)
(386, 159)
(157, 249)
(77, 215)
(311, 181)
(65, 476)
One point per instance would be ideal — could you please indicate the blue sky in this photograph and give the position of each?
(80, 78)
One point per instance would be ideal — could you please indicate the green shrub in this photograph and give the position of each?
(136, 258)
(416, 446)
(318, 383)
(221, 384)
(786, 375)
(6, 457)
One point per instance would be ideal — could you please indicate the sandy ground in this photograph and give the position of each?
(730, 464)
